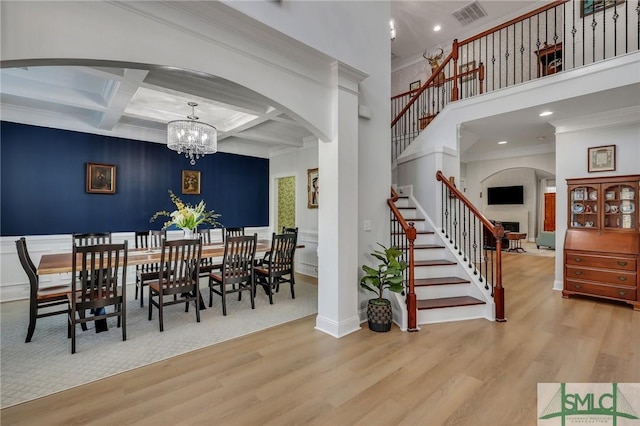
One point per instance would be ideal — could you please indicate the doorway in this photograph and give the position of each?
(286, 202)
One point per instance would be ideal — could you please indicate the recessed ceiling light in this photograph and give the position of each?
(437, 28)
(545, 113)
(502, 142)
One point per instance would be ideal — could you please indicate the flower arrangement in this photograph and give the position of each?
(187, 216)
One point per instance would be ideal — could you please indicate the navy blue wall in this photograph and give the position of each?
(43, 170)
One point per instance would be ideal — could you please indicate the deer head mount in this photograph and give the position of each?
(434, 61)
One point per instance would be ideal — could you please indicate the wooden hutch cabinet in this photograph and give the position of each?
(602, 243)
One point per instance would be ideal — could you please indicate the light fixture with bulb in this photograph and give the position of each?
(191, 137)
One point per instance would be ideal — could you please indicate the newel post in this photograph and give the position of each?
(454, 91)
(412, 303)
(498, 291)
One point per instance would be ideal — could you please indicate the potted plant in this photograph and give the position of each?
(388, 274)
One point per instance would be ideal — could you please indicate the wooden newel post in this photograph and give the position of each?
(412, 302)
(498, 290)
(481, 77)
(454, 90)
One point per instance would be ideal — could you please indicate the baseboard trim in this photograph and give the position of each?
(337, 329)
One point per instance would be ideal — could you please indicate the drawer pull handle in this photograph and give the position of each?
(578, 272)
(577, 259)
(622, 278)
(622, 263)
(578, 285)
(622, 292)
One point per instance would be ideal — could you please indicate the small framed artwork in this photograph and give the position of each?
(191, 182)
(602, 158)
(466, 68)
(101, 178)
(589, 7)
(414, 86)
(313, 188)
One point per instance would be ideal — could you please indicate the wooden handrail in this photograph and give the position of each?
(411, 233)
(423, 88)
(513, 21)
(496, 230)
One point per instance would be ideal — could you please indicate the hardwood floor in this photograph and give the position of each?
(464, 373)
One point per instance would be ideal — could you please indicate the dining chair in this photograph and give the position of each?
(232, 232)
(178, 276)
(267, 255)
(148, 271)
(207, 264)
(279, 269)
(236, 271)
(91, 238)
(98, 281)
(40, 298)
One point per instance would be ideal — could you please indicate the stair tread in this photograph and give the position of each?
(437, 262)
(417, 232)
(427, 246)
(449, 302)
(423, 282)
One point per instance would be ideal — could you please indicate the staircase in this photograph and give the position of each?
(446, 288)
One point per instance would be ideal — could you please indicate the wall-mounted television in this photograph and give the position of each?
(505, 195)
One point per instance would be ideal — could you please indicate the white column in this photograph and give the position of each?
(338, 211)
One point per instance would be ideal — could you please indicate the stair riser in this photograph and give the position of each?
(437, 271)
(403, 202)
(458, 313)
(431, 254)
(441, 291)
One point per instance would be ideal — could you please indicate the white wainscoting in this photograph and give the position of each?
(14, 284)
(307, 257)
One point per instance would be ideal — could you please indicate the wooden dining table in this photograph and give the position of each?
(59, 263)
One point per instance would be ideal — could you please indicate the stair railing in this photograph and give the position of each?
(558, 36)
(403, 236)
(475, 238)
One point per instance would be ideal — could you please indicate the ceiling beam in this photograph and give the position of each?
(119, 94)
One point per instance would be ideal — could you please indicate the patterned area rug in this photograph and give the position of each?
(45, 365)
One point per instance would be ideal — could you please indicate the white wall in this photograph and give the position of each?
(573, 138)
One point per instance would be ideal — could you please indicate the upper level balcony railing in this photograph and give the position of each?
(559, 36)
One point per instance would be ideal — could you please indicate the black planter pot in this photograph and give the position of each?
(379, 315)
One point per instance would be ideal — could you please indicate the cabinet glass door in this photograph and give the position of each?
(584, 207)
(620, 207)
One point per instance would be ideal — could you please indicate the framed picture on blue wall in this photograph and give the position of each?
(191, 182)
(101, 178)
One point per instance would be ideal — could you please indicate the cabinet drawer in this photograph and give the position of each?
(614, 292)
(585, 260)
(605, 276)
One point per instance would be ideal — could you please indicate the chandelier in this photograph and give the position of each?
(191, 137)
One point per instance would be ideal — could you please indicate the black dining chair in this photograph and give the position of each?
(98, 281)
(178, 276)
(236, 270)
(211, 265)
(279, 268)
(148, 271)
(232, 232)
(91, 238)
(40, 298)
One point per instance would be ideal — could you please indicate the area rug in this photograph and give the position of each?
(533, 250)
(45, 365)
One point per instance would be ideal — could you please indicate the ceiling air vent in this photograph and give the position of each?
(469, 13)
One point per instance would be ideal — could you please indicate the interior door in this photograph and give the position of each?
(549, 212)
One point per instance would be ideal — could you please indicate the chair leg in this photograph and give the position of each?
(252, 292)
(224, 299)
(210, 295)
(33, 314)
(160, 312)
(82, 315)
(150, 303)
(137, 284)
(270, 290)
(73, 333)
(141, 294)
(292, 282)
(197, 303)
(123, 315)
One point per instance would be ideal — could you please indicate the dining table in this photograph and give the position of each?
(60, 263)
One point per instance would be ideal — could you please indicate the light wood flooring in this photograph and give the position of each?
(464, 373)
